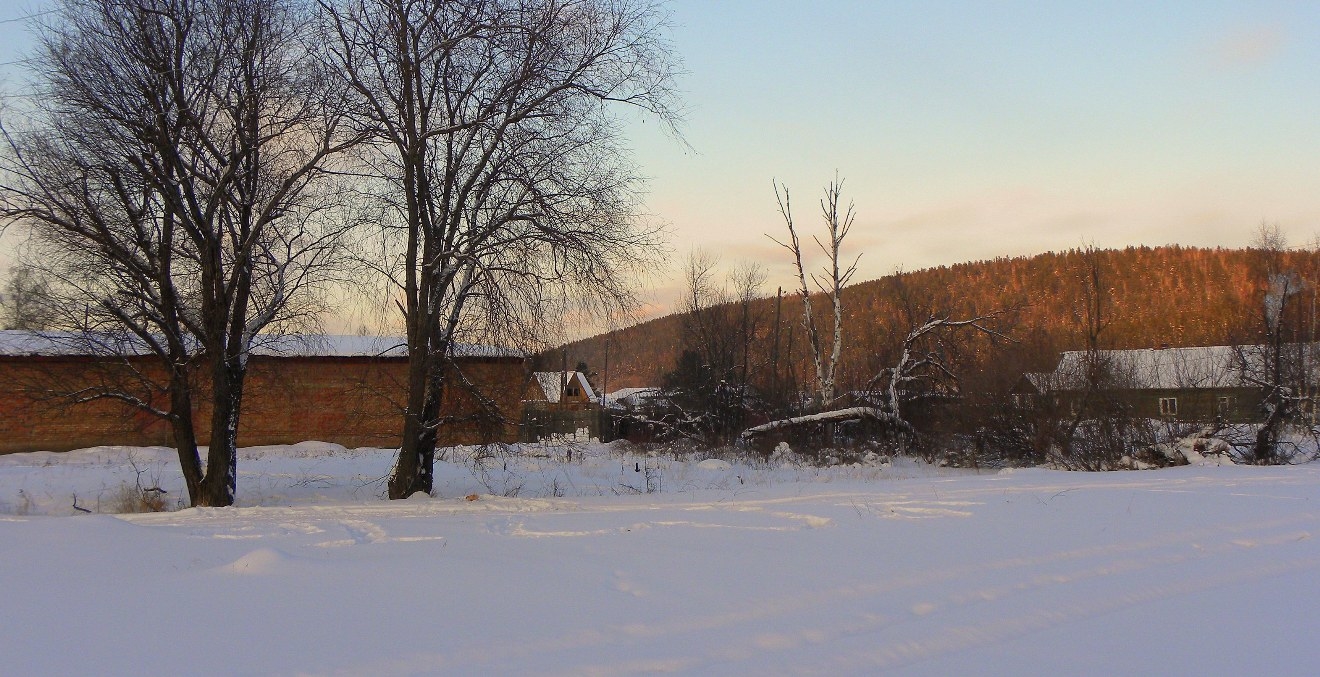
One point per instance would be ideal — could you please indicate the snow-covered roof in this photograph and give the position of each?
(16, 343)
(345, 345)
(550, 384)
(1162, 369)
(631, 397)
(1039, 380)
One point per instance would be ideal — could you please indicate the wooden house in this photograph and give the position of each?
(1206, 383)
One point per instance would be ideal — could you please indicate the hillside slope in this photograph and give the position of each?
(1176, 296)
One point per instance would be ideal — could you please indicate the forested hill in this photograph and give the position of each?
(1176, 296)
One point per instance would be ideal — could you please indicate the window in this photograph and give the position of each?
(1225, 404)
(1168, 406)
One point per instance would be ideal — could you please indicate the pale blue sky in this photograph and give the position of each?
(970, 130)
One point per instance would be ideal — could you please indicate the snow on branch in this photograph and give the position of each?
(916, 365)
(836, 416)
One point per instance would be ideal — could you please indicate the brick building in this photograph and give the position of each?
(348, 390)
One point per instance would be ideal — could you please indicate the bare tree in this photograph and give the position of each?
(1278, 365)
(923, 364)
(921, 356)
(174, 179)
(1091, 379)
(498, 168)
(712, 382)
(26, 302)
(831, 282)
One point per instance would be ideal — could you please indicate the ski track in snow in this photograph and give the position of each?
(1055, 569)
(869, 605)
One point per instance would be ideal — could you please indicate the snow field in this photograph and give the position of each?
(745, 569)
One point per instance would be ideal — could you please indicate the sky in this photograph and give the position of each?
(971, 130)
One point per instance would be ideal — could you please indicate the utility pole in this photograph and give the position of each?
(774, 352)
(605, 380)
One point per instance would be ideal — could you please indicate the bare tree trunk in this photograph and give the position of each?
(184, 435)
(774, 351)
(1096, 369)
(220, 485)
(1267, 437)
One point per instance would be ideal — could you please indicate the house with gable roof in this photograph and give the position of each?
(562, 391)
(1204, 383)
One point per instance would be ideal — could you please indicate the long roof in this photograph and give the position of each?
(17, 343)
(1159, 369)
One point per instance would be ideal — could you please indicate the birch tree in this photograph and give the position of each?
(26, 303)
(830, 281)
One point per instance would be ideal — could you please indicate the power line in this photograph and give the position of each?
(28, 17)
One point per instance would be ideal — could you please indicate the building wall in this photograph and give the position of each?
(1195, 405)
(349, 401)
(1201, 404)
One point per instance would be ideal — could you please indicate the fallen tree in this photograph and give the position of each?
(835, 416)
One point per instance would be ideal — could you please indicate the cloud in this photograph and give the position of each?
(1248, 47)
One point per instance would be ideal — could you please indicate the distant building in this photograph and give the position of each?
(634, 398)
(1182, 384)
(565, 391)
(560, 404)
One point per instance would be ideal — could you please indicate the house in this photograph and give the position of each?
(560, 404)
(348, 390)
(564, 391)
(634, 413)
(1203, 383)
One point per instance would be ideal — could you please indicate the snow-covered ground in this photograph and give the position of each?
(725, 568)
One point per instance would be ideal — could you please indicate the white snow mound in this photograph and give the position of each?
(259, 562)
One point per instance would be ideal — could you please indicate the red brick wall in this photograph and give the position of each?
(349, 401)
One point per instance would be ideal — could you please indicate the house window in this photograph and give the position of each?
(1225, 404)
(572, 391)
(1168, 406)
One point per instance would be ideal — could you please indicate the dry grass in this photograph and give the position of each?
(133, 498)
